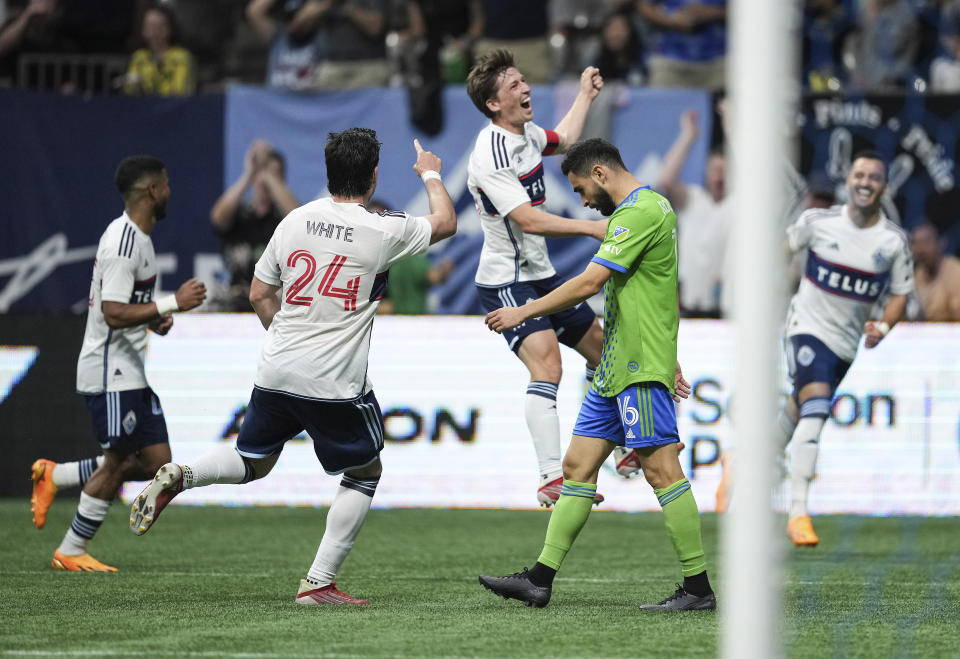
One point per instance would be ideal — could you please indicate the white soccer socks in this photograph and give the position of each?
(220, 465)
(803, 461)
(90, 514)
(346, 515)
(543, 423)
(73, 474)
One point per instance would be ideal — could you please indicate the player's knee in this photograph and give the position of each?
(372, 470)
(577, 470)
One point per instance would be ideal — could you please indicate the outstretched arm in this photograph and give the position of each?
(542, 223)
(571, 293)
(570, 127)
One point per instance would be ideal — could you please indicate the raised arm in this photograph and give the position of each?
(541, 223)
(668, 180)
(225, 207)
(258, 14)
(443, 216)
(570, 127)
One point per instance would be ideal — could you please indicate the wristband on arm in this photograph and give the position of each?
(430, 174)
(167, 304)
(883, 327)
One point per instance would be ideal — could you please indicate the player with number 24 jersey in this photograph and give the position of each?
(321, 254)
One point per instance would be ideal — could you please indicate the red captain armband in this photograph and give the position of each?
(553, 141)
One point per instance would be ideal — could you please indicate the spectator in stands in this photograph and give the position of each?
(945, 69)
(244, 227)
(620, 50)
(704, 217)
(440, 34)
(825, 26)
(161, 67)
(410, 279)
(936, 276)
(326, 44)
(520, 28)
(882, 50)
(291, 30)
(690, 47)
(34, 27)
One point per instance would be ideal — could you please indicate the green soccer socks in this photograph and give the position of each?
(682, 519)
(568, 517)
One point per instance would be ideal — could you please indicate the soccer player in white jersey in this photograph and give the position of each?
(855, 255)
(127, 417)
(316, 290)
(505, 177)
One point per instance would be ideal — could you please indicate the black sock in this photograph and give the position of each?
(698, 584)
(541, 575)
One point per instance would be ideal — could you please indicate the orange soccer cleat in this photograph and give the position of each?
(44, 489)
(800, 531)
(79, 563)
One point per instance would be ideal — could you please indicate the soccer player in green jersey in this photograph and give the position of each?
(631, 400)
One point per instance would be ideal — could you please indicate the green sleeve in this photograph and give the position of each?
(631, 232)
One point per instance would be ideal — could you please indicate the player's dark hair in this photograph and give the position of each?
(484, 78)
(582, 156)
(351, 158)
(870, 154)
(133, 170)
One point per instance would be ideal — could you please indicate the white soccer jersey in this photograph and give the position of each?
(125, 270)
(506, 170)
(848, 269)
(330, 260)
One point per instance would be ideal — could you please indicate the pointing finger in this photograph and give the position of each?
(416, 145)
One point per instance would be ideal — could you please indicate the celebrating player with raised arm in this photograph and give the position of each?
(631, 400)
(505, 177)
(316, 290)
(126, 413)
(854, 255)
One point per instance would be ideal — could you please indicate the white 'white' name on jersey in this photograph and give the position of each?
(125, 270)
(330, 260)
(505, 171)
(848, 269)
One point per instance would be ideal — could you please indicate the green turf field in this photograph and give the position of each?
(220, 582)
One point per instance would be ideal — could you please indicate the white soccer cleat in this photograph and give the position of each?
(148, 505)
(626, 460)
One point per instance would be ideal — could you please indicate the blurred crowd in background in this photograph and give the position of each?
(181, 47)
(189, 46)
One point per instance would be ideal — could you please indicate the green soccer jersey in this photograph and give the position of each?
(640, 320)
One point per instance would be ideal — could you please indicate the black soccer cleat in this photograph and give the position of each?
(519, 587)
(683, 601)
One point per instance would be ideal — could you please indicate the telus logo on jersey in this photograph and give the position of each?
(534, 185)
(845, 281)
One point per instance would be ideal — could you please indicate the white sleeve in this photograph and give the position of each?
(901, 271)
(412, 237)
(267, 269)
(800, 233)
(117, 274)
(503, 189)
(538, 135)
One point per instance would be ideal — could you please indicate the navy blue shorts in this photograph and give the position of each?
(128, 420)
(809, 360)
(641, 415)
(570, 324)
(346, 434)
